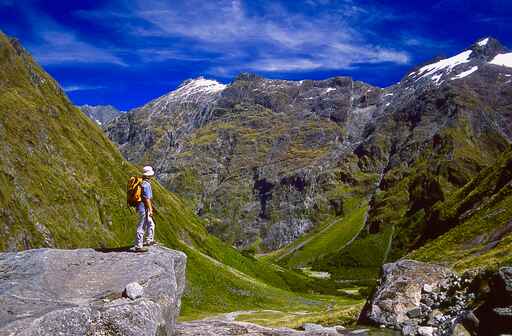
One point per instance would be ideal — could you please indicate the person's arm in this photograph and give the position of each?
(149, 206)
(147, 195)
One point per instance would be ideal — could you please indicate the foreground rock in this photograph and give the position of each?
(220, 327)
(425, 299)
(495, 314)
(227, 328)
(399, 296)
(80, 292)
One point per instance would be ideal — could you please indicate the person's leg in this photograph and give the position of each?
(150, 230)
(140, 229)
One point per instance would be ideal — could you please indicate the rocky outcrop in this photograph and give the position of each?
(83, 292)
(101, 114)
(403, 290)
(426, 299)
(256, 156)
(228, 328)
(495, 314)
(219, 327)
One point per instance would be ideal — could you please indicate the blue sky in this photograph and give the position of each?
(126, 53)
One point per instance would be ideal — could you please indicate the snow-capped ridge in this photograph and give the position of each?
(465, 73)
(445, 65)
(201, 84)
(503, 60)
(199, 91)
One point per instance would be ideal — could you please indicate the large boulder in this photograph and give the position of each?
(426, 299)
(495, 314)
(398, 297)
(80, 292)
(223, 327)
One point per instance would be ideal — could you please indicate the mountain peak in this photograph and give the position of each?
(486, 48)
(200, 84)
(247, 76)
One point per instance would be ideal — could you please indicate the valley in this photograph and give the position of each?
(293, 201)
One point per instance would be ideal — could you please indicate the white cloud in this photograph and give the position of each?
(72, 88)
(53, 43)
(235, 39)
(59, 46)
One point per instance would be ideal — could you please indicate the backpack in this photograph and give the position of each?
(134, 191)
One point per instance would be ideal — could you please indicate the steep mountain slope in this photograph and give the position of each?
(258, 157)
(446, 123)
(101, 114)
(438, 133)
(62, 180)
(477, 221)
(63, 185)
(345, 173)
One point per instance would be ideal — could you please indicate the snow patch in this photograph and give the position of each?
(388, 94)
(330, 89)
(97, 121)
(436, 78)
(466, 73)
(201, 84)
(502, 59)
(387, 104)
(446, 65)
(198, 91)
(483, 42)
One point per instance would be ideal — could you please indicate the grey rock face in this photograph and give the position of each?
(214, 327)
(254, 155)
(101, 114)
(79, 292)
(228, 328)
(495, 315)
(262, 159)
(401, 302)
(400, 291)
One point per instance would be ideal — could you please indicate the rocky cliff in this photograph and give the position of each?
(269, 161)
(259, 157)
(101, 114)
(86, 292)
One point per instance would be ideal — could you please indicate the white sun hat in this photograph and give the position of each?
(148, 171)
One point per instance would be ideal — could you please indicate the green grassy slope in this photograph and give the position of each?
(63, 185)
(329, 238)
(342, 245)
(406, 211)
(62, 180)
(425, 171)
(478, 221)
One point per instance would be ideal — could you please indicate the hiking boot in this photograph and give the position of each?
(137, 249)
(151, 243)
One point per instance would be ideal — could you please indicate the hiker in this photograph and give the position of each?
(145, 210)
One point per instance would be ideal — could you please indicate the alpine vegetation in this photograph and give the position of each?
(244, 202)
